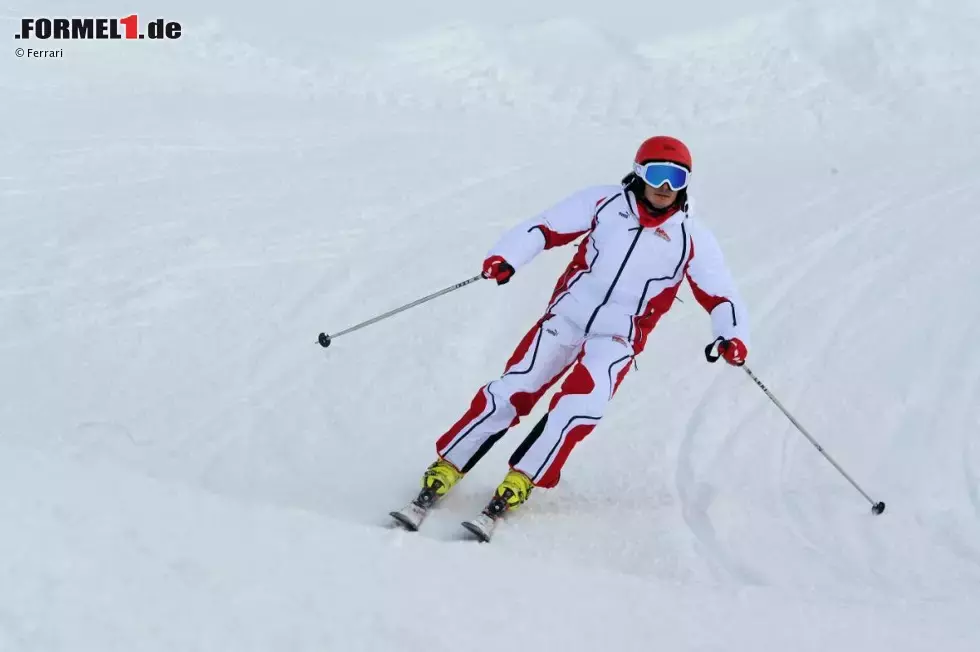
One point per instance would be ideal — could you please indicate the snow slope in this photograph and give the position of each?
(181, 467)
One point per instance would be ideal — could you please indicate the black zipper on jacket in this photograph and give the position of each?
(588, 326)
(639, 306)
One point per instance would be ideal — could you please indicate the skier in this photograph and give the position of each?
(640, 242)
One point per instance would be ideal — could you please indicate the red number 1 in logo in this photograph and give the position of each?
(131, 25)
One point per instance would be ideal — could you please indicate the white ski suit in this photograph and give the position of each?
(621, 281)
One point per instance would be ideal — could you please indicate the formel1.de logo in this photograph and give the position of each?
(80, 29)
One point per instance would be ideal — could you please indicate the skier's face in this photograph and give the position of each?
(661, 197)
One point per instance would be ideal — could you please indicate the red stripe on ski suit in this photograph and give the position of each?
(708, 301)
(554, 239)
(523, 402)
(477, 407)
(580, 381)
(656, 308)
(577, 264)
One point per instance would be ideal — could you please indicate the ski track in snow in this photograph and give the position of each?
(697, 495)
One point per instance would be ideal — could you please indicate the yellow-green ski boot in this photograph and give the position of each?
(437, 480)
(511, 494)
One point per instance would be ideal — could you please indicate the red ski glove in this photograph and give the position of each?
(734, 351)
(498, 269)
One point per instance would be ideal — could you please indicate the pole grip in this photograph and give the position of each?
(709, 354)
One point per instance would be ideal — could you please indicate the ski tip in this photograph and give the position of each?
(403, 521)
(476, 531)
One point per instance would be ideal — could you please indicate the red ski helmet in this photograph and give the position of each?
(658, 148)
(664, 148)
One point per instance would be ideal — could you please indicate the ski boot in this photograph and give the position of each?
(437, 480)
(511, 494)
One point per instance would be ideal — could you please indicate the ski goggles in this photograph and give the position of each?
(659, 173)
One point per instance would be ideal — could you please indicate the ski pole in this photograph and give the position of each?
(324, 340)
(877, 507)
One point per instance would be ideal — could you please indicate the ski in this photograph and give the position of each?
(410, 516)
(481, 527)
